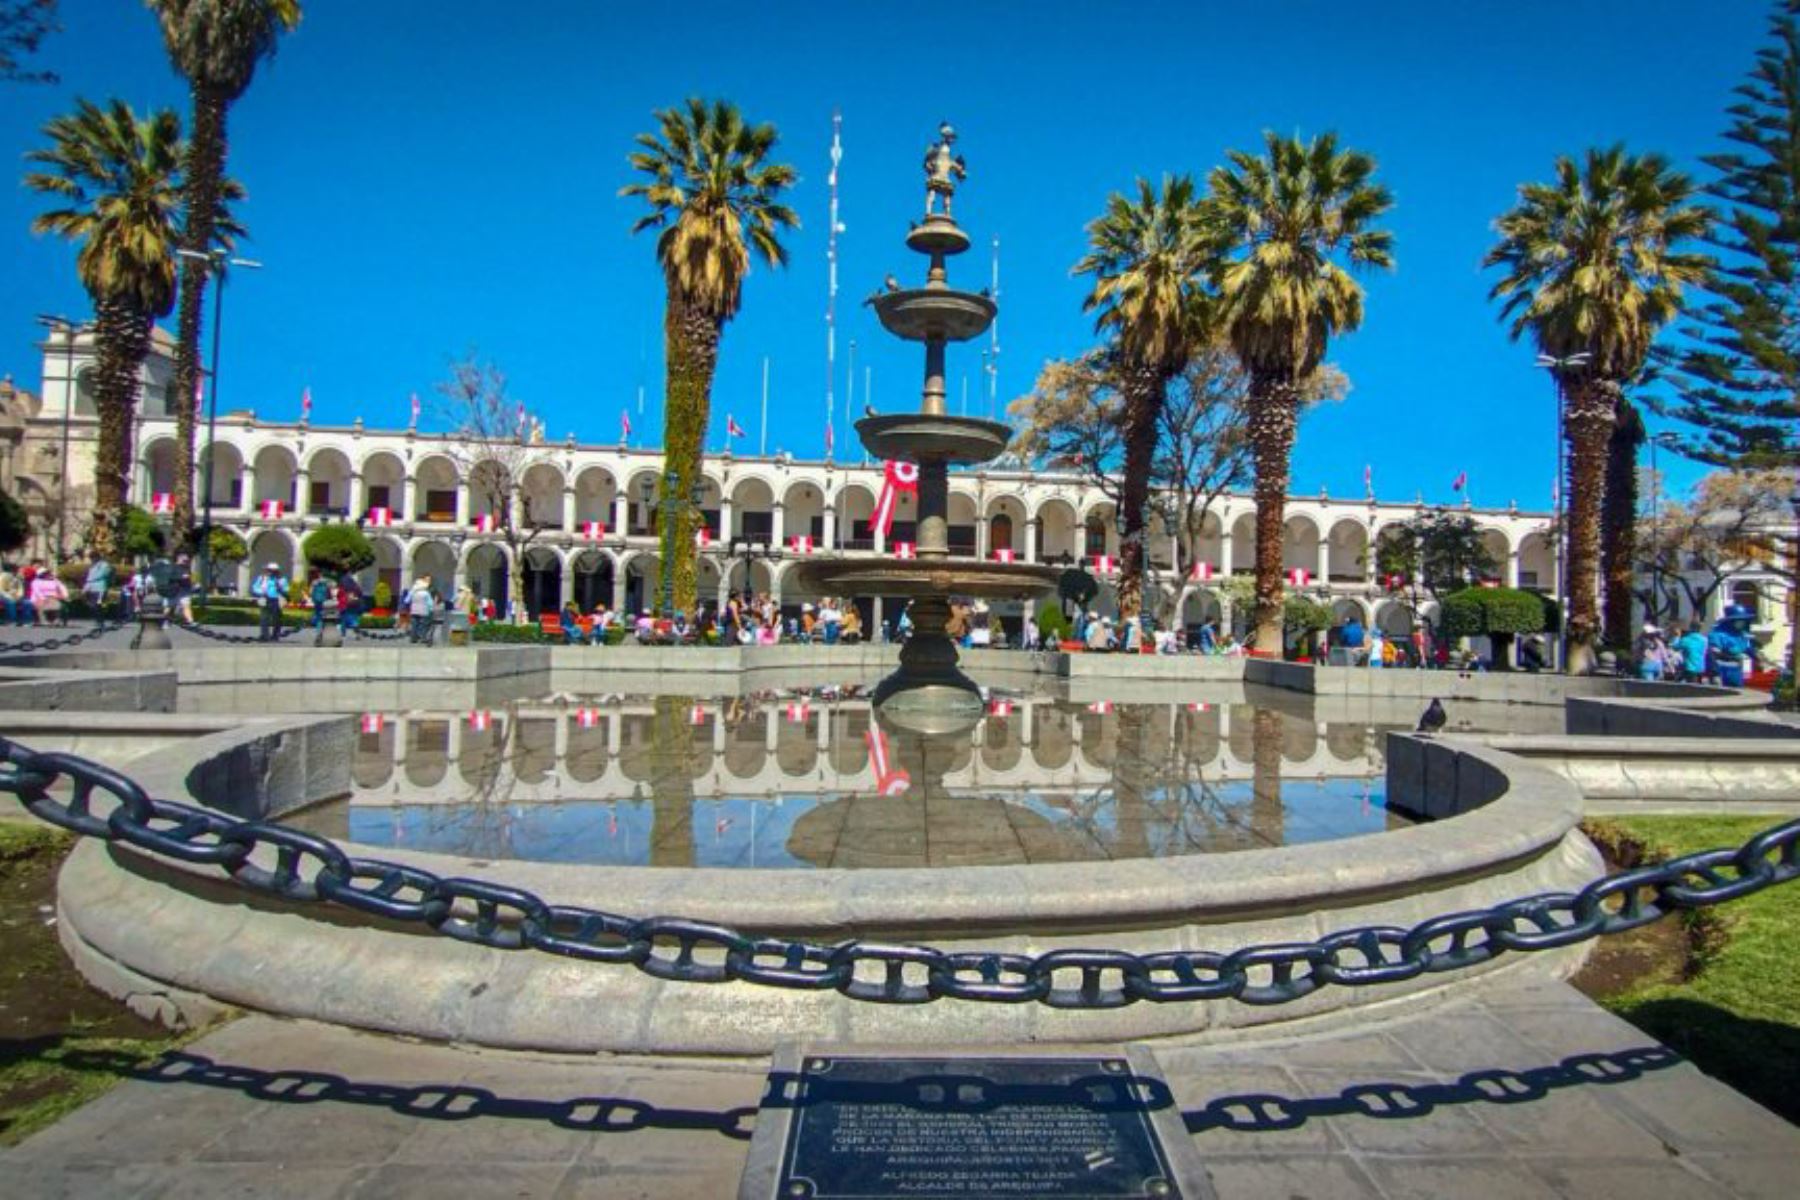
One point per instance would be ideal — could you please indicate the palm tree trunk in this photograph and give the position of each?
(1274, 415)
(1145, 391)
(1268, 817)
(1618, 526)
(123, 335)
(1589, 424)
(691, 340)
(205, 169)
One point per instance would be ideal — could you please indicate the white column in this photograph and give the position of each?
(247, 488)
(1032, 529)
(1224, 551)
(618, 596)
(983, 535)
(1324, 571)
(621, 514)
(1512, 569)
(779, 536)
(568, 509)
(302, 490)
(831, 527)
(462, 515)
(567, 582)
(356, 503)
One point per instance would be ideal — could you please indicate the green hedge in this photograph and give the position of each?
(495, 631)
(1500, 613)
(1052, 625)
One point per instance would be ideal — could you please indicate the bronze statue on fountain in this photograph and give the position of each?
(928, 690)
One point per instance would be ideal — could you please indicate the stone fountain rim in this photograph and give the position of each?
(1530, 819)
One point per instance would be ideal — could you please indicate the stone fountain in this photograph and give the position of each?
(928, 692)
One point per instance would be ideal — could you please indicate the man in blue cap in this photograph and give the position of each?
(1732, 646)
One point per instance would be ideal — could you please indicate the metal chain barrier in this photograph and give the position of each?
(281, 631)
(379, 635)
(305, 868)
(100, 629)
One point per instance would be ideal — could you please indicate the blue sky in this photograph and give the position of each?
(426, 178)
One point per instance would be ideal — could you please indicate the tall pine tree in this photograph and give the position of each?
(1737, 370)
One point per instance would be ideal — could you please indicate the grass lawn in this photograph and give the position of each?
(1735, 1013)
(61, 1042)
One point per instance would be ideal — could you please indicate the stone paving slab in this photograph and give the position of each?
(1508, 1092)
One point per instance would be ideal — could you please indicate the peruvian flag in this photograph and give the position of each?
(1202, 572)
(897, 477)
(890, 780)
(799, 711)
(905, 550)
(485, 523)
(271, 510)
(732, 428)
(1395, 582)
(830, 441)
(1105, 564)
(1003, 554)
(1000, 708)
(801, 543)
(306, 405)
(381, 516)
(1101, 707)
(587, 718)
(1299, 576)
(624, 426)
(593, 531)
(1461, 482)
(697, 715)
(371, 722)
(162, 502)
(703, 536)
(481, 721)
(1198, 706)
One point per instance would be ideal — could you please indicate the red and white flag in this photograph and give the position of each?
(697, 715)
(1198, 706)
(905, 550)
(890, 780)
(415, 410)
(1101, 707)
(830, 440)
(1202, 572)
(1395, 582)
(1299, 576)
(702, 536)
(624, 426)
(897, 477)
(798, 711)
(593, 531)
(481, 720)
(306, 405)
(381, 516)
(587, 718)
(371, 722)
(485, 523)
(1369, 478)
(1003, 554)
(1461, 481)
(1000, 708)
(162, 502)
(801, 543)
(271, 510)
(1105, 564)
(732, 428)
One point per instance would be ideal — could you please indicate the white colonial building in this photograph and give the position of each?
(594, 509)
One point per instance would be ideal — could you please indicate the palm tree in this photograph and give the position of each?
(1592, 268)
(119, 177)
(216, 45)
(1148, 257)
(1288, 223)
(715, 197)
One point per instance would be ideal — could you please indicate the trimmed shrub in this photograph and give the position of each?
(1304, 619)
(337, 548)
(1053, 626)
(384, 595)
(139, 534)
(498, 631)
(1499, 613)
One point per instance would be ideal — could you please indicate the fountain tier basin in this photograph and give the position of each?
(935, 314)
(925, 577)
(918, 437)
(186, 934)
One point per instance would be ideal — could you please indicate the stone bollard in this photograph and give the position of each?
(153, 624)
(329, 633)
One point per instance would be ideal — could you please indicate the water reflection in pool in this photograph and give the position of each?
(801, 780)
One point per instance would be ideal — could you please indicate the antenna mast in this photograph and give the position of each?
(831, 236)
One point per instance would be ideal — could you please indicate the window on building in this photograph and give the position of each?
(319, 497)
(1746, 594)
(440, 505)
(962, 539)
(1096, 536)
(1000, 532)
(378, 495)
(758, 527)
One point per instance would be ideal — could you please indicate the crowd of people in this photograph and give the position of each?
(1724, 656)
(747, 619)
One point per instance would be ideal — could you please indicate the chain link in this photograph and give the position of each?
(282, 630)
(100, 628)
(306, 868)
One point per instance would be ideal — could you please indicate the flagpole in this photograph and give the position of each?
(762, 429)
(993, 359)
(831, 236)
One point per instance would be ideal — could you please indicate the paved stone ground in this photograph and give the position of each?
(1521, 1092)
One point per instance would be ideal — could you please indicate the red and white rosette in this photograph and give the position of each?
(801, 543)
(380, 517)
(890, 780)
(1198, 706)
(162, 502)
(271, 510)
(905, 550)
(897, 477)
(593, 531)
(1003, 554)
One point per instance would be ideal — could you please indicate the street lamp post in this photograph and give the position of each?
(67, 329)
(1557, 366)
(215, 263)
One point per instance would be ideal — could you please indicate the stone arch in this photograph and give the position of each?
(592, 572)
(1243, 543)
(436, 559)
(1537, 561)
(384, 484)
(1053, 742)
(1300, 543)
(543, 580)
(643, 580)
(488, 568)
(274, 546)
(541, 498)
(1345, 607)
(643, 482)
(752, 510)
(274, 470)
(328, 483)
(158, 459)
(585, 757)
(596, 490)
(803, 510)
(426, 755)
(227, 473)
(855, 504)
(1499, 547)
(385, 568)
(436, 479)
(1347, 550)
(1058, 537)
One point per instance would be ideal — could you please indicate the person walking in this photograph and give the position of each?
(1649, 653)
(1691, 645)
(270, 588)
(350, 602)
(422, 608)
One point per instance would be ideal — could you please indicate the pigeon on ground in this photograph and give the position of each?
(1434, 717)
